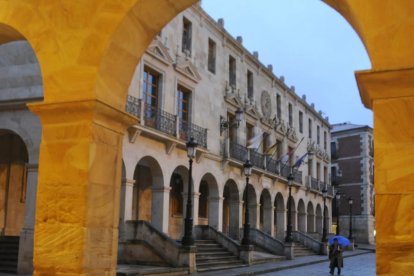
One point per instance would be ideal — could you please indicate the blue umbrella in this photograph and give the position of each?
(341, 240)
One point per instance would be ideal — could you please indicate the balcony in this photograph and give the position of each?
(238, 152)
(164, 122)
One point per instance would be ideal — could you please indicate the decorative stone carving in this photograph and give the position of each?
(266, 104)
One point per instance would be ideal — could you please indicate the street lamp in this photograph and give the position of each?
(188, 238)
(337, 197)
(246, 228)
(289, 222)
(325, 194)
(226, 124)
(350, 201)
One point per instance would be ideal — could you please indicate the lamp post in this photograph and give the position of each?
(188, 238)
(325, 194)
(337, 197)
(289, 220)
(226, 124)
(350, 201)
(246, 227)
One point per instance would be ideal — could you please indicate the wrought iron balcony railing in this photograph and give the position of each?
(298, 177)
(272, 165)
(238, 152)
(133, 106)
(257, 159)
(165, 122)
(160, 120)
(314, 184)
(199, 134)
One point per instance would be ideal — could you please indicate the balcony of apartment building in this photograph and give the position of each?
(163, 126)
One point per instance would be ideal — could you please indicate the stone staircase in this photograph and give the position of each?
(300, 250)
(9, 251)
(212, 256)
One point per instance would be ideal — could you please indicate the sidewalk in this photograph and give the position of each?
(281, 265)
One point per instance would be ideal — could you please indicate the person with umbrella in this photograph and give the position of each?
(335, 253)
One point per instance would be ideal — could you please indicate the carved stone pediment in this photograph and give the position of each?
(157, 50)
(234, 100)
(187, 69)
(253, 111)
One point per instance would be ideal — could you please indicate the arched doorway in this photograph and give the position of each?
(209, 202)
(13, 183)
(231, 210)
(148, 179)
(310, 218)
(279, 216)
(252, 207)
(266, 210)
(178, 200)
(301, 216)
(318, 219)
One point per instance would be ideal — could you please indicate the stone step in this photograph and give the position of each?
(218, 263)
(213, 245)
(213, 254)
(208, 250)
(197, 242)
(220, 267)
(215, 258)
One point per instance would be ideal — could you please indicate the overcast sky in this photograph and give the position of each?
(309, 44)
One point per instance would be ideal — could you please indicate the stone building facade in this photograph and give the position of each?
(191, 81)
(352, 171)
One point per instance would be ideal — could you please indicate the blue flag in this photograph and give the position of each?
(300, 160)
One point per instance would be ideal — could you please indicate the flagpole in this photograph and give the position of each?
(284, 165)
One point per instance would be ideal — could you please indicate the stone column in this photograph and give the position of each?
(79, 183)
(254, 210)
(215, 212)
(160, 208)
(391, 96)
(268, 220)
(25, 263)
(236, 219)
(195, 197)
(125, 214)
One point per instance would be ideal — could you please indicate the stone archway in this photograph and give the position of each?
(318, 219)
(231, 209)
(71, 77)
(147, 198)
(301, 216)
(209, 203)
(13, 183)
(310, 218)
(279, 216)
(266, 211)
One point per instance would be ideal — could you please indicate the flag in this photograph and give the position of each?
(255, 142)
(299, 161)
(285, 158)
(271, 150)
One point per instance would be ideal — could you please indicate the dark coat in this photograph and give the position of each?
(335, 256)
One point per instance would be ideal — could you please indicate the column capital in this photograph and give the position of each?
(216, 198)
(161, 189)
(375, 85)
(127, 182)
(31, 167)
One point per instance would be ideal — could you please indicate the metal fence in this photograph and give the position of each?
(199, 134)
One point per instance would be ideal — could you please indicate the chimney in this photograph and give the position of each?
(221, 22)
(239, 39)
(256, 54)
(270, 67)
(304, 97)
(282, 79)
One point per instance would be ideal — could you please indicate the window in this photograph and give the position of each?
(211, 56)
(325, 135)
(151, 91)
(310, 128)
(279, 107)
(183, 104)
(300, 121)
(265, 142)
(290, 115)
(249, 84)
(333, 149)
(325, 175)
(318, 171)
(187, 30)
(249, 132)
(232, 71)
(333, 173)
(232, 130)
(318, 138)
(310, 167)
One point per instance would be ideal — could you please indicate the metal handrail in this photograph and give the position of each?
(133, 106)
(160, 120)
